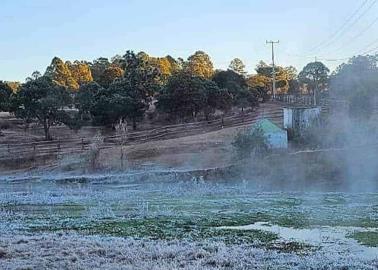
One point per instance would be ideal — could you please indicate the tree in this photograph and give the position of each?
(129, 96)
(109, 75)
(315, 76)
(199, 64)
(356, 82)
(13, 85)
(186, 96)
(231, 81)
(127, 101)
(249, 142)
(359, 74)
(181, 97)
(98, 66)
(294, 87)
(261, 84)
(214, 98)
(140, 74)
(264, 77)
(80, 72)
(238, 66)
(42, 100)
(245, 98)
(236, 85)
(59, 72)
(166, 66)
(86, 98)
(5, 97)
(35, 75)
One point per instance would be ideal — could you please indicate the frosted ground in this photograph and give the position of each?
(138, 221)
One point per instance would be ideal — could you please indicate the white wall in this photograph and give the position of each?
(277, 140)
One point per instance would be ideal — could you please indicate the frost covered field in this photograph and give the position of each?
(144, 222)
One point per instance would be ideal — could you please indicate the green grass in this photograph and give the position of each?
(164, 228)
(369, 239)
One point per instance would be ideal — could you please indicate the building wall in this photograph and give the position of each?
(296, 120)
(277, 140)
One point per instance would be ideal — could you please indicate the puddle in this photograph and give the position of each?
(332, 238)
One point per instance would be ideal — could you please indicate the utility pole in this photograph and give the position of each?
(273, 65)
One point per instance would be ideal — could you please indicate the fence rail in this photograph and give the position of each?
(30, 150)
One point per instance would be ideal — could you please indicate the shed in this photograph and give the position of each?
(276, 137)
(298, 118)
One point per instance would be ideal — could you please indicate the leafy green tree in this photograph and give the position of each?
(264, 77)
(109, 75)
(98, 66)
(141, 75)
(314, 76)
(359, 74)
(238, 66)
(236, 84)
(181, 97)
(86, 98)
(60, 73)
(199, 64)
(246, 98)
(214, 98)
(5, 96)
(127, 101)
(186, 96)
(260, 85)
(35, 75)
(250, 142)
(44, 101)
(80, 72)
(13, 85)
(356, 82)
(294, 87)
(127, 97)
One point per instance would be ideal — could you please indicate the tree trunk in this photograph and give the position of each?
(46, 128)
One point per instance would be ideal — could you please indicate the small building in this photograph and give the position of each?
(275, 136)
(298, 118)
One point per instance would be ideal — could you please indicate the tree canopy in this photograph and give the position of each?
(5, 96)
(44, 101)
(238, 66)
(315, 76)
(185, 96)
(199, 64)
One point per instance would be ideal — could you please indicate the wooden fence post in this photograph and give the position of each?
(82, 144)
(58, 146)
(122, 157)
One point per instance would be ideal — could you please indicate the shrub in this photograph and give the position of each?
(248, 143)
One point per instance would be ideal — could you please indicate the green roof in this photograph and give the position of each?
(267, 126)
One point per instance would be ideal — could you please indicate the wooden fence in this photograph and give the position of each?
(33, 150)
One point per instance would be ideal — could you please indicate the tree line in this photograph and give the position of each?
(105, 91)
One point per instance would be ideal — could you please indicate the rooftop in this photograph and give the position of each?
(267, 126)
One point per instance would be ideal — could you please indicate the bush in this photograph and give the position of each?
(248, 143)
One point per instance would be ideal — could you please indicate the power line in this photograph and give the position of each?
(341, 30)
(354, 38)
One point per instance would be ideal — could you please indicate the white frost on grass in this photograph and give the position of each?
(328, 238)
(72, 251)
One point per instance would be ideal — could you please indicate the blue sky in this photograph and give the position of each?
(34, 31)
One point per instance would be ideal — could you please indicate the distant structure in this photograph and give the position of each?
(297, 118)
(275, 136)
